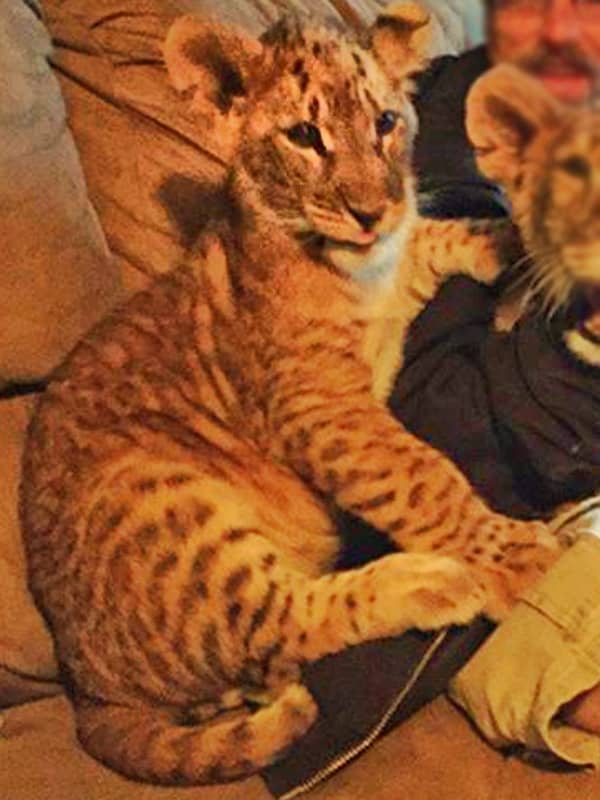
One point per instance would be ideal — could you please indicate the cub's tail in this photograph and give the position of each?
(144, 744)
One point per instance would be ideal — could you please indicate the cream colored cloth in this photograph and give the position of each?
(27, 665)
(541, 657)
(56, 276)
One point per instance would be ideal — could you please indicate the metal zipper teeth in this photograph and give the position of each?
(349, 755)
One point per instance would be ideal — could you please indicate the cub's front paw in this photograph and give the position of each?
(522, 560)
(500, 248)
(429, 591)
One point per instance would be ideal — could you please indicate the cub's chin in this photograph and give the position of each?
(368, 263)
(347, 257)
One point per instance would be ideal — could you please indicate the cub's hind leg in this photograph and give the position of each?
(269, 621)
(148, 744)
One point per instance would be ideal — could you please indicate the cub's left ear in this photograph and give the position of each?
(401, 39)
(507, 113)
(215, 60)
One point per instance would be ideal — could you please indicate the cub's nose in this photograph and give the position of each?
(366, 220)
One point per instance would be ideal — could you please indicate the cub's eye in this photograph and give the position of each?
(576, 166)
(305, 134)
(386, 122)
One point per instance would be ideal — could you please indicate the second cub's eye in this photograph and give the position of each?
(305, 134)
(386, 122)
(576, 166)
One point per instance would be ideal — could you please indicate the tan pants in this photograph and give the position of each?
(542, 656)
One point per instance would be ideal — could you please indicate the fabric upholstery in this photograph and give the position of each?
(57, 276)
(433, 756)
(27, 666)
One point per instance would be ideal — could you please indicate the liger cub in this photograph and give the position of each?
(179, 469)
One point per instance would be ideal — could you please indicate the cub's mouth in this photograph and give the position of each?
(321, 244)
(355, 239)
(361, 246)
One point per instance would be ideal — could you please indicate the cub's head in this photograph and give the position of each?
(547, 158)
(319, 126)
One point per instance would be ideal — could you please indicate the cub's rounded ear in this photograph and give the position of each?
(212, 58)
(508, 112)
(401, 39)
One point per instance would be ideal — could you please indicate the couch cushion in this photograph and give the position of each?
(108, 59)
(27, 666)
(434, 756)
(56, 276)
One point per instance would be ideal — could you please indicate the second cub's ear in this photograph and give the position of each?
(217, 61)
(506, 112)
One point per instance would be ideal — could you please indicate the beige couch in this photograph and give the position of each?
(64, 261)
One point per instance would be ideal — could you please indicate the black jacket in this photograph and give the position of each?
(524, 413)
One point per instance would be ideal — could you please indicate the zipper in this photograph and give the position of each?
(343, 759)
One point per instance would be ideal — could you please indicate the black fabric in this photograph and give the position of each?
(525, 413)
(351, 709)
